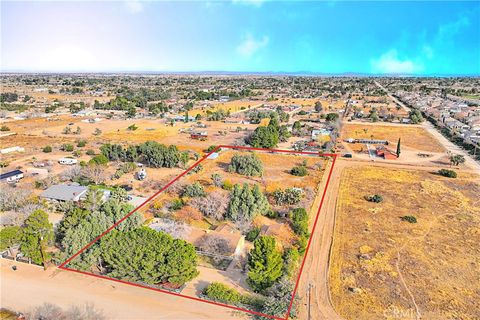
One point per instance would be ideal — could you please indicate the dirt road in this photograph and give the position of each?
(316, 267)
(30, 286)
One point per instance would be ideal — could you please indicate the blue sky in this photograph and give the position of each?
(407, 37)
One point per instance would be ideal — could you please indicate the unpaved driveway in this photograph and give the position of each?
(30, 286)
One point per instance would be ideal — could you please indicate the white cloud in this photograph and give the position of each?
(133, 6)
(389, 62)
(250, 45)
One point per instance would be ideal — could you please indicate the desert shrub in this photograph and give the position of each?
(99, 160)
(447, 173)
(252, 234)
(248, 165)
(133, 127)
(219, 292)
(176, 204)
(90, 152)
(217, 180)
(411, 219)
(210, 149)
(375, 198)
(4, 128)
(67, 147)
(227, 185)
(81, 143)
(289, 196)
(299, 171)
(47, 149)
(77, 153)
(194, 190)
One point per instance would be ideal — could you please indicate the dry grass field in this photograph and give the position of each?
(234, 106)
(412, 137)
(386, 268)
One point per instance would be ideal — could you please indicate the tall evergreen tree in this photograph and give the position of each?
(265, 264)
(398, 148)
(36, 236)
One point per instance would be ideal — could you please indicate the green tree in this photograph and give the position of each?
(248, 165)
(246, 203)
(331, 117)
(456, 159)
(9, 236)
(299, 218)
(217, 291)
(194, 190)
(265, 264)
(148, 256)
(36, 236)
(264, 137)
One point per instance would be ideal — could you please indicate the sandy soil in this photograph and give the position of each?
(422, 269)
(30, 286)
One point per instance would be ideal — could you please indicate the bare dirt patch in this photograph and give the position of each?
(383, 266)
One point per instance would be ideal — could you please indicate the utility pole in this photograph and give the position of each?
(309, 300)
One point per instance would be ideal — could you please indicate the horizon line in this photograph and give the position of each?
(246, 73)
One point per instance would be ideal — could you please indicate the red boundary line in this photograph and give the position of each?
(334, 156)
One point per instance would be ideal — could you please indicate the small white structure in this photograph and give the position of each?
(12, 176)
(67, 161)
(142, 174)
(12, 149)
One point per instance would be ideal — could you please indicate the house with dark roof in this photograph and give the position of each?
(11, 176)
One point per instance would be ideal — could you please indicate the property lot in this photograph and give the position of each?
(384, 264)
(414, 138)
(226, 214)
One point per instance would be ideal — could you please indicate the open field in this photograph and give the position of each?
(383, 267)
(411, 136)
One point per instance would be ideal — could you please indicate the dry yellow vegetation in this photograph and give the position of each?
(412, 137)
(386, 268)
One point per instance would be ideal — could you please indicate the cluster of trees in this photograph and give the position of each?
(152, 153)
(148, 256)
(194, 190)
(217, 115)
(158, 108)
(248, 165)
(8, 97)
(246, 203)
(269, 136)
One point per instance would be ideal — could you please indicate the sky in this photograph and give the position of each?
(327, 37)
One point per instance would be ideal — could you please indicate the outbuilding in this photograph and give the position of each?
(11, 176)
